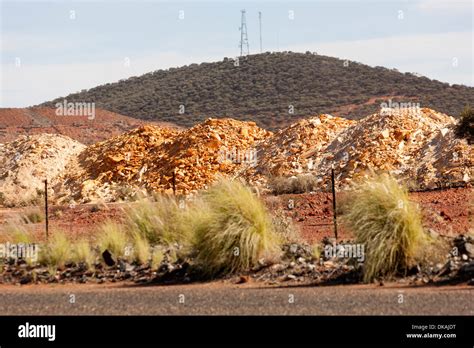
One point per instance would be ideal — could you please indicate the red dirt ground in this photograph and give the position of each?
(78, 220)
(26, 121)
(448, 212)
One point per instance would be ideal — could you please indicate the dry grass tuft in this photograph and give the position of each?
(83, 253)
(159, 221)
(239, 233)
(56, 252)
(141, 248)
(383, 218)
(112, 237)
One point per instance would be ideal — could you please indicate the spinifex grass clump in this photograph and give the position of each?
(16, 233)
(33, 216)
(225, 229)
(158, 220)
(156, 258)
(239, 233)
(112, 237)
(141, 248)
(382, 218)
(56, 252)
(83, 253)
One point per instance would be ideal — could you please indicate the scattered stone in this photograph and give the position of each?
(414, 270)
(433, 234)
(242, 280)
(447, 268)
(293, 248)
(108, 259)
(467, 269)
(438, 268)
(278, 267)
(329, 264)
(469, 250)
(26, 279)
(122, 266)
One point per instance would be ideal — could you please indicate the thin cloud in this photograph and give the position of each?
(16, 43)
(446, 57)
(32, 84)
(445, 6)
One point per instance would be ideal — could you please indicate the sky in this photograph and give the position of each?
(49, 49)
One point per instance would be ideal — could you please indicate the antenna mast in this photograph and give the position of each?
(260, 25)
(244, 40)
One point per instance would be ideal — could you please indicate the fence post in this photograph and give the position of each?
(46, 207)
(334, 206)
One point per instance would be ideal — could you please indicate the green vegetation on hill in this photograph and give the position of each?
(263, 88)
(466, 124)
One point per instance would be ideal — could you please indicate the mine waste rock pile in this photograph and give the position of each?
(224, 147)
(113, 169)
(444, 160)
(416, 145)
(144, 160)
(292, 150)
(26, 162)
(419, 146)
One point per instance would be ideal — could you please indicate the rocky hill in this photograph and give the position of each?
(272, 89)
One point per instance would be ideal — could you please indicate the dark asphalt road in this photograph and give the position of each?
(218, 298)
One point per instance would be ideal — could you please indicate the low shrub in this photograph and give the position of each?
(465, 126)
(295, 184)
